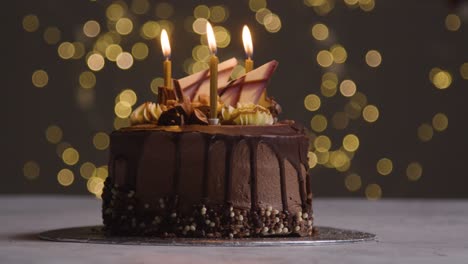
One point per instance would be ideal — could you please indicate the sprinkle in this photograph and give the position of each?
(275, 212)
(186, 228)
(305, 215)
(309, 222)
(241, 218)
(265, 230)
(212, 224)
(269, 208)
(268, 213)
(247, 234)
(146, 205)
(193, 227)
(281, 225)
(232, 214)
(277, 219)
(279, 230)
(174, 215)
(297, 228)
(130, 207)
(142, 225)
(203, 211)
(285, 230)
(207, 221)
(231, 235)
(230, 208)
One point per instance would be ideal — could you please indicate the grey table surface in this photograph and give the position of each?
(408, 231)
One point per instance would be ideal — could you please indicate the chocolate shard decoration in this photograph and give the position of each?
(198, 118)
(198, 84)
(248, 88)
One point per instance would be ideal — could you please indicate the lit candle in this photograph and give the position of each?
(248, 47)
(167, 66)
(213, 74)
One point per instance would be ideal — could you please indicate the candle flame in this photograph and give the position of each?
(211, 38)
(166, 47)
(247, 39)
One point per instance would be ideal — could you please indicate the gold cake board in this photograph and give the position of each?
(95, 235)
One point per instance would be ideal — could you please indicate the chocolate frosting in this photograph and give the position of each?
(246, 167)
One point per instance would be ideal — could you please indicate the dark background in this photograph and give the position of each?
(411, 36)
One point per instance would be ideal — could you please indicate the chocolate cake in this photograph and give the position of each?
(171, 174)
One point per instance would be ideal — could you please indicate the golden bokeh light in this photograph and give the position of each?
(322, 143)
(140, 7)
(123, 109)
(128, 96)
(155, 83)
(87, 170)
(112, 51)
(124, 26)
(95, 185)
(384, 166)
(339, 54)
(319, 123)
(124, 60)
(79, 50)
(218, 14)
(370, 113)
(312, 102)
(320, 31)
(367, 5)
(441, 79)
(256, 5)
(95, 62)
(348, 88)
(272, 23)
(140, 51)
(312, 157)
(440, 122)
(87, 80)
(324, 58)
(30, 23)
(452, 22)
(373, 192)
(66, 50)
(353, 182)
(115, 11)
(54, 134)
(414, 171)
(261, 14)
(360, 99)
(31, 170)
(425, 132)
(222, 36)
(322, 157)
(65, 177)
(164, 10)
(201, 11)
(351, 2)
(40, 78)
(70, 156)
(52, 35)
(199, 26)
(150, 30)
(351, 142)
(464, 70)
(373, 58)
(91, 28)
(338, 159)
(340, 120)
(101, 141)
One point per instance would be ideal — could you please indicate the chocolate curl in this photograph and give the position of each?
(165, 94)
(179, 95)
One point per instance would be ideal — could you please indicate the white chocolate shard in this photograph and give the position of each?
(198, 84)
(248, 88)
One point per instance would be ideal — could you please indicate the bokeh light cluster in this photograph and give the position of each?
(126, 34)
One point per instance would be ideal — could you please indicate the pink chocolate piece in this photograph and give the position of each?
(198, 84)
(248, 88)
